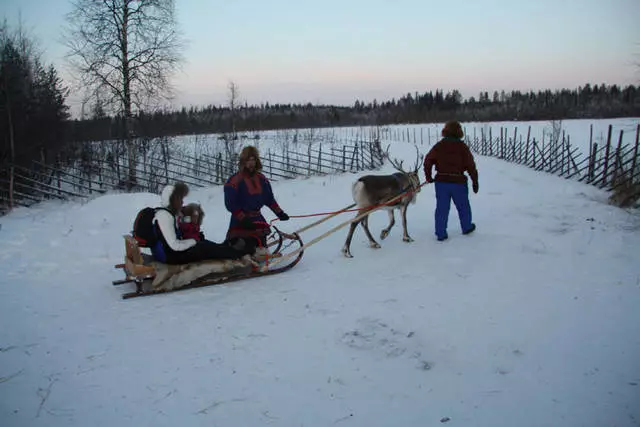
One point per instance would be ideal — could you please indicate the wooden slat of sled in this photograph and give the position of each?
(134, 262)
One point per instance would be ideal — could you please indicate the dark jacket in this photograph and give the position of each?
(244, 196)
(451, 157)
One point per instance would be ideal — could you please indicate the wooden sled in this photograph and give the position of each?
(137, 266)
(151, 277)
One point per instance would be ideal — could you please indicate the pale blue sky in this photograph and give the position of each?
(337, 51)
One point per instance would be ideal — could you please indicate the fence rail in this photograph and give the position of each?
(612, 166)
(100, 168)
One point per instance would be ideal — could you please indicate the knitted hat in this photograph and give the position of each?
(452, 129)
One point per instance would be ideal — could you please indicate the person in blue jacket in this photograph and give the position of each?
(245, 194)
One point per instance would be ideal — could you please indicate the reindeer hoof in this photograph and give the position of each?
(347, 253)
(407, 239)
(384, 234)
(375, 245)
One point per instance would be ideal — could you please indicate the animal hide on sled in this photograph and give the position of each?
(170, 276)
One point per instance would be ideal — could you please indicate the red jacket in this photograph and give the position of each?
(190, 230)
(451, 157)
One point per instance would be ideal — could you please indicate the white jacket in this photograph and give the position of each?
(167, 224)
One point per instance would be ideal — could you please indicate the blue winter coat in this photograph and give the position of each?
(244, 196)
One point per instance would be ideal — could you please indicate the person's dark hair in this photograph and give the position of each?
(180, 191)
(191, 209)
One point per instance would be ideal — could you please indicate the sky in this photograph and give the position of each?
(337, 51)
(530, 321)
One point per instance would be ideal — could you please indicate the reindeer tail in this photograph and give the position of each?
(359, 194)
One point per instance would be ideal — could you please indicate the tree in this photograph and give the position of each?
(124, 51)
(231, 141)
(33, 113)
(234, 100)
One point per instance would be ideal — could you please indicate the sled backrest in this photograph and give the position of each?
(133, 250)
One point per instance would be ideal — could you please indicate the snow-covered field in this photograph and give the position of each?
(533, 320)
(425, 135)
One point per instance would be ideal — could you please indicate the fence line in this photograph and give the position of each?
(612, 166)
(98, 169)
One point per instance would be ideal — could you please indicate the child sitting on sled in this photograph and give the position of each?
(190, 222)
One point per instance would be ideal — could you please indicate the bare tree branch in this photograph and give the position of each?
(125, 52)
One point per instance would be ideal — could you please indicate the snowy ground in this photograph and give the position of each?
(578, 131)
(533, 320)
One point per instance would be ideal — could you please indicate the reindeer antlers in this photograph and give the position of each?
(398, 164)
(394, 162)
(419, 157)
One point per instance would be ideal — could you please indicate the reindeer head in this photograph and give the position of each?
(412, 175)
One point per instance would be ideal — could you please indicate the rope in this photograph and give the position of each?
(404, 190)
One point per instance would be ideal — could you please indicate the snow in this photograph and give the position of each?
(532, 320)
(578, 131)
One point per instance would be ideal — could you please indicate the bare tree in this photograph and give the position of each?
(234, 100)
(231, 141)
(125, 51)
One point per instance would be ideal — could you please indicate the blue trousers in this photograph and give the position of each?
(445, 191)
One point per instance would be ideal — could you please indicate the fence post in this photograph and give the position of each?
(606, 156)
(515, 132)
(490, 142)
(219, 167)
(635, 153)
(526, 150)
(592, 162)
(354, 156)
(564, 146)
(332, 158)
(344, 158)
(617, 160)
(590, 145)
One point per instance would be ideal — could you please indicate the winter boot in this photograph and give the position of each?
(470, 230)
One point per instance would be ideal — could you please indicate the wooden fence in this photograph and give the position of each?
(104, 168)
(613, 166)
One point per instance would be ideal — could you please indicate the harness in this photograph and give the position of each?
(398, 176)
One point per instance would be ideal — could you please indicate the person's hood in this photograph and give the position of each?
(165, 196)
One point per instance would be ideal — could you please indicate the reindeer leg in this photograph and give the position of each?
(405, 235)
(392, 220)
(347, 244)
(365, 225)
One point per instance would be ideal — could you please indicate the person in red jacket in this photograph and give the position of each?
(191, 221)
(452, 158)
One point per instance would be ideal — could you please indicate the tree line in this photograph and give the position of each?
(34, 116)
(588, 101)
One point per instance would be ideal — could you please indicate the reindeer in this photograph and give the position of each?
(371, 190)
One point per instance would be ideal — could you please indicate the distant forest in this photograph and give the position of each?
(588, 101)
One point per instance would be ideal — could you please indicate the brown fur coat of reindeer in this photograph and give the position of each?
(372, 190)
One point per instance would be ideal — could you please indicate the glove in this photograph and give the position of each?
(246, 223)
(427, 176)
(283, 216)
(475, 187)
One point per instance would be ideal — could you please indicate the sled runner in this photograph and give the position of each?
(151, 277)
